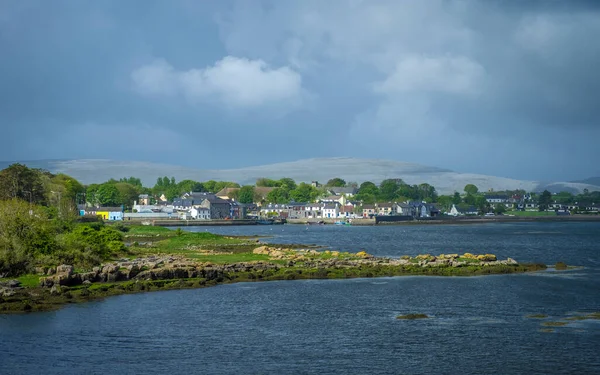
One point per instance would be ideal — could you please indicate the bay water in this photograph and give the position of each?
(476, 325)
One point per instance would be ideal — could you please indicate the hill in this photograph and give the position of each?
(351, 169)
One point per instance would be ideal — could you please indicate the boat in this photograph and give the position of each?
(265, 222)
(341, 223)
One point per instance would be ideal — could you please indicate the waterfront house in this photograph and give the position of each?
(428, 210)
(384, 209)
(331, 211)
(219, 208)
(334, 199)
(462, 211)
(368, 210)
(403, 209)
(106, 213)
(200, 213)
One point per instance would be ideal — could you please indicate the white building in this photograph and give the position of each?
(200, 213)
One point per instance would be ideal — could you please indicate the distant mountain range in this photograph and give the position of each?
(350, 169)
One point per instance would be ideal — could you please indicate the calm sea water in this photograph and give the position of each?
(478, 325)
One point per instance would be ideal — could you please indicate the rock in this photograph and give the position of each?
(56, 290)
(65, 269)
(13, 283)
(51, 271)
(6, 292)
(40, 270)
(511, 261)
(87, 282)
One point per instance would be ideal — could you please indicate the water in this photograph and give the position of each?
(478, 324)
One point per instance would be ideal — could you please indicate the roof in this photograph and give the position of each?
(385, 205)
(108, 209)
(215, 200)
(403, 205)
(143, 196)
(368, 207)
(332, 198)
(330, 207)
(343, 190)
(469, 209)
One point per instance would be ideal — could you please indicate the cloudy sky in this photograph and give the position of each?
(508, 88)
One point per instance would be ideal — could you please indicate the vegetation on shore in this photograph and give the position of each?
(412, 316)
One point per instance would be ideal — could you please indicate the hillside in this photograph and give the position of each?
(351, 169)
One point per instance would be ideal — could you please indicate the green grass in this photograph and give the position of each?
(28, 281)
(148, 230)
(531, 213)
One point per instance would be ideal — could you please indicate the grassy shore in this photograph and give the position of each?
(215, 259)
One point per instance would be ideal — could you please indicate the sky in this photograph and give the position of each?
(505, 88)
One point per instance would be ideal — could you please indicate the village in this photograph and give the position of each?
(337, 203)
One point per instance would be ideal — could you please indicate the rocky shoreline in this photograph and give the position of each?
(61, 285)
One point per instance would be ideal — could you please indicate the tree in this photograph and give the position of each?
(287, 183)
(445, 202)
(278, 195)
(107, 195)
(267, 182)
(368, 187)
(456, 199)
(188, 186)
(127, 194)
(336, 182)
(388, 189)
(471, 189)
(544, 200)
(18, 181)
(132, 180)
(304, 193)
(246, 194)
(499, 209)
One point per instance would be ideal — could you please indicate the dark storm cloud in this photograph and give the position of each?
(500, 87)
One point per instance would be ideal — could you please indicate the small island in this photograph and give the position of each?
(147, 258)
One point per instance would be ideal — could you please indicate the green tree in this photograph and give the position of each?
(132, 180)
(107, 195)
(19, 181)
(336, 182)
(25, 232)
(471, 189)
(128, 193)
(388, 189)
(456, 199)
(278, 195)
(304, 193)
(267, 182)
(544, 200)
(189, 186)
(246, 194)
(287, 183)
(499, 209)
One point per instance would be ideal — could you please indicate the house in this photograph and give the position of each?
(494, 199)
(219, 208)
(200, 213)
(335, 199)
(313, 211)
(183, 204)
(347, 212)
(343, 191)
(331, 211)
(144, 199)
(403, 209)
(385, 208)
(368, 210)
(106, 213)
(458, 211)
(428, 210)
(272, 209)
